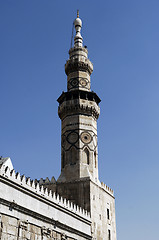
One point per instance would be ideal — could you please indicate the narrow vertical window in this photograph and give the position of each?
(95, 159)
(109, 235)
(86, 156)
(108, 215)
(73, 156)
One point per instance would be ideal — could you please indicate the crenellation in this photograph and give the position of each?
(71, 206)
(57, 198)
(23, 179)
(33, 184)
(53, 180)
(49, 193)
(37, 187)
(7, 171)
(28, 181)
(46, 191)
(80, 210)
(43, 192)
(106, 188)
(41, 181)
(47, 180)
(53, 196)
(18, 176)
(68, 203)
(65, 201)
(12, 173)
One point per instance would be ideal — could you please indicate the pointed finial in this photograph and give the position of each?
(77, 13)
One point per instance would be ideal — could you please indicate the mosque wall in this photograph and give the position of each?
(27, 211)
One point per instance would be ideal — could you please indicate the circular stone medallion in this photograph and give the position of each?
(72, 137)
(86, 137)
(83, 82)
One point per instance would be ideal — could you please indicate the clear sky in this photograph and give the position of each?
(122, 37)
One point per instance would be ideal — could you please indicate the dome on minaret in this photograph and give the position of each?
(78, 22)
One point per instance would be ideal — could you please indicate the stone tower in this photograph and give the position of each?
(79, 110)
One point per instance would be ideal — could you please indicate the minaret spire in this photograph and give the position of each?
(78, 40)
(78, 67)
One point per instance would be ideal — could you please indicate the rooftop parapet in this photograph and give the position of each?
(107, 189)
(36, 188)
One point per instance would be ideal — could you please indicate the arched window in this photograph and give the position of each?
(86, 156)
(73, 156)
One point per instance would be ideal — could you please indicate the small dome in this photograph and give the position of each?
(78, 22)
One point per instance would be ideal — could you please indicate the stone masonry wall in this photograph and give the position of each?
(95, 197)
(29, 212)
(12, 228)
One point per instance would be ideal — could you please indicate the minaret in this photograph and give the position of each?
(78, 111)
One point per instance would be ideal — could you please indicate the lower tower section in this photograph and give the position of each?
(96, 198)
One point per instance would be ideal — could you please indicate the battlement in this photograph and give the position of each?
(107, 189)
(36, 188)
(46, 181)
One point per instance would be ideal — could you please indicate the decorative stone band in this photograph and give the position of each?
(78, 83)
(82, 51)
(34, 187)
(77, 109)
(79, 138)
(78, 64)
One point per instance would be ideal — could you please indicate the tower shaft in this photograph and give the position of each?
(78, 111)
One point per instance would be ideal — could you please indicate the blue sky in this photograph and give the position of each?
(123, 43)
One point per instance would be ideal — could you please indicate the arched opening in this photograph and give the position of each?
(86, 156)
(73, 156)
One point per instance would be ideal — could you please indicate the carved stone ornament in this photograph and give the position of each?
(74, 82)
(86, 137)
(83, 82)
(78, 82)
(72, 137)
